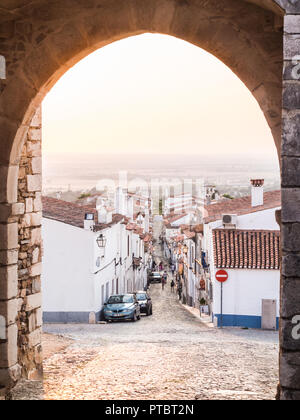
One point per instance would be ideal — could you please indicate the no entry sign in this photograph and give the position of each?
(221, 276)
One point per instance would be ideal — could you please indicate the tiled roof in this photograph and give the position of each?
(171, 218)
(72, 214)
(178, 238)
(248, 249)
(240, 206)
(189, 234)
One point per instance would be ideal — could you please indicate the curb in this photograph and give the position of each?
(188, 309)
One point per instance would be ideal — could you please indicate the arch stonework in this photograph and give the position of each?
(41, 40)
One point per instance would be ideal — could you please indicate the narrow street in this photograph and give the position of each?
(166, 356)
(169, 355)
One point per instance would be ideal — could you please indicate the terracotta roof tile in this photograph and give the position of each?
(73, 214)
(189, 234)
(240, 206)
(247, 249)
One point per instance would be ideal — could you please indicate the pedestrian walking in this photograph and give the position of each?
(173, 269)
(161, 266)
(179, 290)
(172, 286)
(164, 280)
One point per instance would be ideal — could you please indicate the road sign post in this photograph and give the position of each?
(221, 277)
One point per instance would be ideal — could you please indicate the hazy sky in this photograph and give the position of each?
(157, 94)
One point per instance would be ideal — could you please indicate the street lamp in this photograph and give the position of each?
(101, 241)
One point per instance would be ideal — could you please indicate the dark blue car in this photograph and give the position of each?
(122, 307)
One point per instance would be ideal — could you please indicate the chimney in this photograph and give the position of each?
(257, 192)
(89, 221)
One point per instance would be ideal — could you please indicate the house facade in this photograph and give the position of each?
(89, 254)
(247, 248)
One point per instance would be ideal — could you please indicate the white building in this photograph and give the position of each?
(242, 237)
(78, 275)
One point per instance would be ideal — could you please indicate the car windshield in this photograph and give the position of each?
(120, 299)
(141, 296)
(156, 274)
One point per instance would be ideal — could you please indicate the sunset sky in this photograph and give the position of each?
(153, 94)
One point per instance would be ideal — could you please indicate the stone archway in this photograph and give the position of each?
(41, 41)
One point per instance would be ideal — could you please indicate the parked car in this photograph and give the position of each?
(155, 277)
(145, 302)
(122, 307)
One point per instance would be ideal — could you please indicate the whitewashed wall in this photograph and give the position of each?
(67, 277)
(243, 293)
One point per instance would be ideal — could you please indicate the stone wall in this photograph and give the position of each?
(20, 269)
(290, 287)
(29, 206)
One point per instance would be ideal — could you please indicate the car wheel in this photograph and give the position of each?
(139, 317)
(151, 311)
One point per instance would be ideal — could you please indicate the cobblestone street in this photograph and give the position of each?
(167, 356)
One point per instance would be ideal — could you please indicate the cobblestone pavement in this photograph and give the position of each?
(169, 355)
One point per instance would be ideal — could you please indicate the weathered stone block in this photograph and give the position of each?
(36, 236)
(9, 309)
(34, 183)
(291, 135)
(39, 317)
(36, 285)
(36, 219)
(8, 282)
(291, 265)
(292, 24)
(35, 338)
(290, 370)
(289, 395)
(287, 340)
(290, 6)
(25, 221)
(36, 165)
(291, 95)
(37, 202)
(37, 119)
(18, 209)
(290, 237)
(290, 172)
(34, 134)
(34, 149)
(33, 302)
(29, 205)
(32, 322)
(9, 349)
(35, 255)
(9, 376)
(290, 297)
(8, 184)
(290, 205)
(8, 257)
(9, 236)
(35, 270)
(291, 47)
